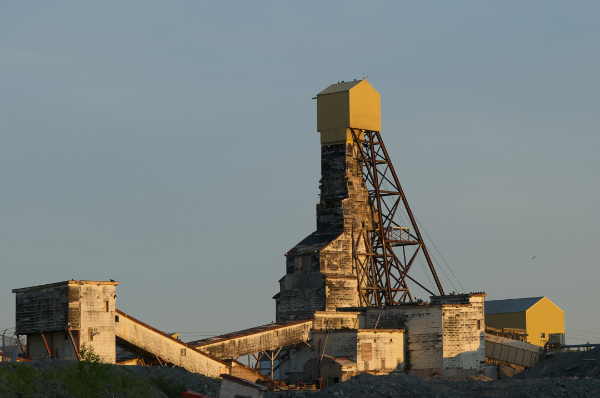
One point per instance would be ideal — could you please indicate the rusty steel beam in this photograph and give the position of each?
(46, 343)
(382, 275)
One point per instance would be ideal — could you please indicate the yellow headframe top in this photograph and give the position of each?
(347, 105)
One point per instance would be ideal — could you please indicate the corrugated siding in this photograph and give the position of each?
(333, 111)
(517, 320)
(544, 317)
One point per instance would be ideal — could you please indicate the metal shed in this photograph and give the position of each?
(538, 316)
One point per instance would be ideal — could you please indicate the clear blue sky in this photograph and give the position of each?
(172, 146)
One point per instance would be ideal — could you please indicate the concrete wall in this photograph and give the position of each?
(231, 389)
(335, 320)
(380, 350)
(97, 325)
(423, 325)
(463, 337)
(375, 351)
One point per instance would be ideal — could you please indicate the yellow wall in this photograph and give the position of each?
(544, 317)
(517, 320)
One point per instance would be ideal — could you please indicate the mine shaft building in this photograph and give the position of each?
(444, 336)
(538, 316)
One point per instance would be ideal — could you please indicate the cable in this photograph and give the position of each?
(436, 249)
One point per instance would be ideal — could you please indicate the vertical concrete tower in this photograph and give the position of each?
(320, 273)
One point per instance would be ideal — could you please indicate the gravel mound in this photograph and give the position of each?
(178, 376)
(369, 386)
(565, 364)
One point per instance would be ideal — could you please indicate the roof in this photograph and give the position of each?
(246, 332)
(71, 282)
(343, 361)
(314, 242)
(510, 305)
(339, 87)
(243, 382)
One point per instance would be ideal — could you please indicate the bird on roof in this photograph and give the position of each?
(112, 280)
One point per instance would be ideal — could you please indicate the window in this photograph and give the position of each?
(542, 335)
(183, 352)
(116, 318)
(479, 324)
(106, 305)
(91, 334)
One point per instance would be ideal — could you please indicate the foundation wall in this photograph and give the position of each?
(423, 325)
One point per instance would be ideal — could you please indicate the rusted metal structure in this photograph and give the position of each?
(382, 274)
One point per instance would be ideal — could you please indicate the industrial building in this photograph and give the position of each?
(537, 316)
(345, 303)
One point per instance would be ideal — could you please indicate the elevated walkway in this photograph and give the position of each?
(261, 338)
(143, 340)
(511, 351)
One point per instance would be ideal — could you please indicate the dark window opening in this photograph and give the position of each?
(116, 318)
(106, 305)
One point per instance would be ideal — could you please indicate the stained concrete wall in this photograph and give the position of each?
(423, 324)
(463, 328)
(97, 325)
(374, 351)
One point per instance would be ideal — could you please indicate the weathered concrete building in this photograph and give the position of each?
(61, 318)
(322, 329)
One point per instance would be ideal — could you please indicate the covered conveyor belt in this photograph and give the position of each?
(141, 339)
(260, 338)
(511, 351)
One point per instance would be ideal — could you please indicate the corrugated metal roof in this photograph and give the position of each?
(339, 87)
(510, 305)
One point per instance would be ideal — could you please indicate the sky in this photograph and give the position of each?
(172, 146)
